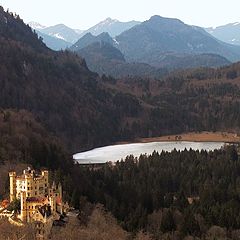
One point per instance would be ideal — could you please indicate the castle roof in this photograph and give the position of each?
(36, 199)
(58, 201)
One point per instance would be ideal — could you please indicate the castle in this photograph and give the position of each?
(41, 203)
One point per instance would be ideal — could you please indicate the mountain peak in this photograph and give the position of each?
(109, 21)
(89, 38)
(36, 25)
(157, 19)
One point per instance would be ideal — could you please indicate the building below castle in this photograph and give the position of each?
(41, 203)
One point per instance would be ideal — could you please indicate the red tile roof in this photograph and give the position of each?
(36, 199)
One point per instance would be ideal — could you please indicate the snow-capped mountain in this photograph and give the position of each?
(229, 33)
(111, 26)
(36, 25)
(53, 42)
(52, 39)
(61, 31)
(69, 35)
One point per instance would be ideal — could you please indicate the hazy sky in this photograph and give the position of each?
(82, 14)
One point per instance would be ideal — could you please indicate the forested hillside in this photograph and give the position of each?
(171, 195)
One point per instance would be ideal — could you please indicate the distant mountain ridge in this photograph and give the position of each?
(229, 33)
(69, 35)
(88, 39)
(159, 43)
(53, 42)
(112, 26)
(151, 40)
(36, 25)
(61, 31)
(103, 58)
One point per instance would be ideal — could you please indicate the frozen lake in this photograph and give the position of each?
(114, 153)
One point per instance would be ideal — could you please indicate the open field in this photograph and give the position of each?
(196, 137)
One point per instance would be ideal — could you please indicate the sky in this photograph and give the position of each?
(81, 14)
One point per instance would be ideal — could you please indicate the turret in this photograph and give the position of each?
(54, 186)
(29, 184)
(45, 174)
(53, 204)
(60, 190)
(23, 206)
(12, 179)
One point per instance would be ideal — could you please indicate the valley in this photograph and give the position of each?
(158, 86)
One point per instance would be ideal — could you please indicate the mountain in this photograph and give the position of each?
(66, 35)
(70, 101)
(63, 32)
(229, 33)
(79, 31)
(187, 61)
(88, 39)
(149, 41)
(13, 29)
(85, 110)
(111, 26)
(58, 37)
(53, 42)
(36, 25)
(104, 58)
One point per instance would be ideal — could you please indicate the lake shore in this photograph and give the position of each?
(192, 137)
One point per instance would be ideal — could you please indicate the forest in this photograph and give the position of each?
(175, 194)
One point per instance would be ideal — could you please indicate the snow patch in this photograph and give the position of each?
(115, 41)
(57, 35)
(236, 23)
(36, 25)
